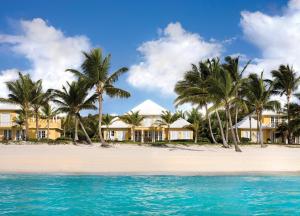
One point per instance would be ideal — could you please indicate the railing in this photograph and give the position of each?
(6, 124)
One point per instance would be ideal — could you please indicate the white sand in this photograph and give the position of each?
(142, 159)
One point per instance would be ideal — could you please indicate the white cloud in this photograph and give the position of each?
(165, 60)
(277, 37)
(5, 76)
(48, 50)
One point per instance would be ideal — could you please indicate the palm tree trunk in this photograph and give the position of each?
(288, 120)
(84, 131)
(48, 128)
(226, 130)
(225, 144)
(103, 143)
(257, 129)
(169, 134)
(260, 131)
(107, 133)
(196, 135)
(133, 134)
(26, 126)
(237, 148)
(76, 130)
(209, 125)
(37, 126)
(250, 128)
(236, 128)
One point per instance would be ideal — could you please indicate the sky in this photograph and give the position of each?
(157, 40)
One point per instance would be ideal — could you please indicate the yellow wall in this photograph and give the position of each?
(54, 126)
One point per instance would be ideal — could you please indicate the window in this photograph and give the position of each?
(5, 119)
(272, 121)
(42, 134)
(7, 134)
(112, 133)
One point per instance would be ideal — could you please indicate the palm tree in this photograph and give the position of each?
(107, 120)
(286, 83)
(195, 118)
(95, 72)
(167, 118)
(39, 100)
(48, 112)
(21, 93)
(257, 95)
(232, 66)
(134, 119)
(223, 90)
(193, 88)
(72, 100)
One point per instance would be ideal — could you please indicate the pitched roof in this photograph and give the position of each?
(148, 107)
(180, 123)
(117, 124)
(245, 123)
(7, 106)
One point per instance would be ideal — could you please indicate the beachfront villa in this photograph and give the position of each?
(149, 130)
(247, 127)
(10, 130)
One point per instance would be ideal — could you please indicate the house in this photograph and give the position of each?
(10, 130)
(247, 127)
(149, 130)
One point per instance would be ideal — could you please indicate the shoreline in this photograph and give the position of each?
(135, 160)
(137, 174)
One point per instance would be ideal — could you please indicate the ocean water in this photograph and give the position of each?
(149, 195)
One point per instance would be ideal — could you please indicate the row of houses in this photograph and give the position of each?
(148, 131)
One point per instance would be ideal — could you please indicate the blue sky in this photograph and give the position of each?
(124, 28)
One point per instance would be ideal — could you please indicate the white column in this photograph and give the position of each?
(142, 136)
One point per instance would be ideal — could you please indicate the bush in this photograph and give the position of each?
(245, 140)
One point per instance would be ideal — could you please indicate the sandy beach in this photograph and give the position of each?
(136, 159)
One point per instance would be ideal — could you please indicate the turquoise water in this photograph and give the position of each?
(149, 195)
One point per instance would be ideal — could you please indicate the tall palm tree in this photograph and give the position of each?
(223, 90)
(107, 120)
(134, 119)
(286, 83)
(21, 93)
(73, 99)
(232, 65)
(95, 72)
(48, 112)
(195, 118)
(39, 100)
(258, 94)
(193, 88)
(167, 118)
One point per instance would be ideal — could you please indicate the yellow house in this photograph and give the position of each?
(247, 127)
(9, 130)
(149, 131)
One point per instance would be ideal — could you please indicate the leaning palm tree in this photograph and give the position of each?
(232, 65)
(95, 72)
(193, 88)
(48, 112)
(223, 90)
(107, 120)
(195, 118)
(73, 99)
(286, 82)
(167, 118)
(134, 119)
(21, 93)
(258, 94)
